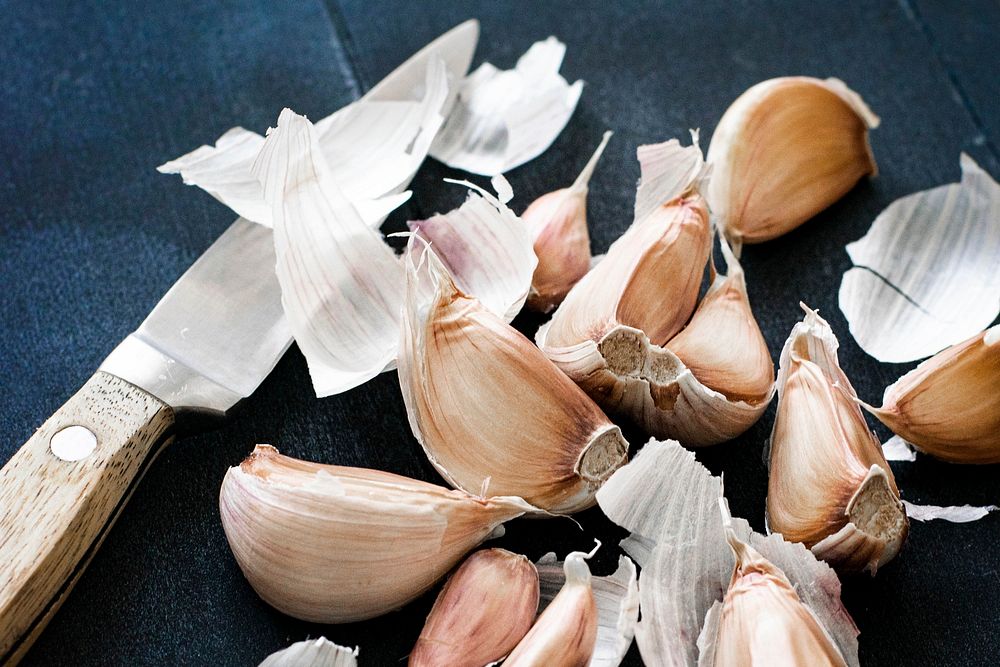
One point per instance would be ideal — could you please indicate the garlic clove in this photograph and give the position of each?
(334, 544)
(829, 485)
(483, 611)
(949, 405)
(565, 634)
(489, 409)
(762, 621)
(313, 652)
(558, 223)
(785, 150)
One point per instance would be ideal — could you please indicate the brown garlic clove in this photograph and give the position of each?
(483, 611)
(785, 150)
(949, 405)
(829, 485)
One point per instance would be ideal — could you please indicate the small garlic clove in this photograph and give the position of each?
(483, 611)
(313, 653)
(785, 150)
(558, 223)
(949, 405)
(565, 634)
(829, 485)
(334, 544)
(762, 620)
(489, 409)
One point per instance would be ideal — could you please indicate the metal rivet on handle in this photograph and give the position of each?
(73, 443)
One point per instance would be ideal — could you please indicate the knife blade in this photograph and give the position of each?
(209, 342)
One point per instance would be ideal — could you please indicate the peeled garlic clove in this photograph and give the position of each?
(558, 222)
(829, 486)
(313, 653)
(762, 621)
(949, 406)
(484, 610)
(785, 150)
(489, 409)
(566, 632)
(334, 544)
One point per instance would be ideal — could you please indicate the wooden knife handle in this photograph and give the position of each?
(61, 493)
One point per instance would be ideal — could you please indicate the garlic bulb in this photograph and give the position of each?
(626, 333)
(313, 653)
(333, 544)
(785, 150)
(483, 611)
(566, 632)
(558, 222)
(829, 485)
(487, 406)
(762, 621)
(949, 406)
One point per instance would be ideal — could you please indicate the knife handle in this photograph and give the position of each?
(61, 493)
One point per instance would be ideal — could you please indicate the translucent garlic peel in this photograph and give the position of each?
(483, 611)
(829, 485)
(315, 653)
(954, 514)
(489, 408)
(504, 118)
(926, 274)
(670, 503)
(332, 544)
(785, 150)
(949, 405)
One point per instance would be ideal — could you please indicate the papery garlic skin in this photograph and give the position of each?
(558, 222)
(313, 653)
(762, 621)
(483, 611)
(333, 544)
(829, 485)
(489, 409)
(949, 405)
(566, 632)
(785, 150)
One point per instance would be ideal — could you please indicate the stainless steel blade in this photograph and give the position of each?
(217, 333)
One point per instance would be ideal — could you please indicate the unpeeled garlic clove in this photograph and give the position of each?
(334, 544)
(949, 405)
(785, 150)
(489, 409)
(483, 611)
(558, 222)
(313, 653)
(566, 632)
(762, 621)
(829, 485)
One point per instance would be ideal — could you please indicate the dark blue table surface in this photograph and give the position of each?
(95, 94)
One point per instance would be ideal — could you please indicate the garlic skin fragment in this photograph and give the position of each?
(313, 653)
(334, 544)
(762, 621)
(558, 223)
(566, 632)
(785, 150)
(489, 409)
(949, 405)
(829, 485)
(483, 611)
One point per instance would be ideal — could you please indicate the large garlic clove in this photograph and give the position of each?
(785, 150)
(558, 223)
(484, 610)
(333, 544)
(708, 384)
(949, 406)
(566, 632)
(313, 653)
(829, 486)
(487, 406)
(762, 621)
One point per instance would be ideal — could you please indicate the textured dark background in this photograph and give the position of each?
(95, 94)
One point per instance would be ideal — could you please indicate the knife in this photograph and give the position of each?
(209, 342)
